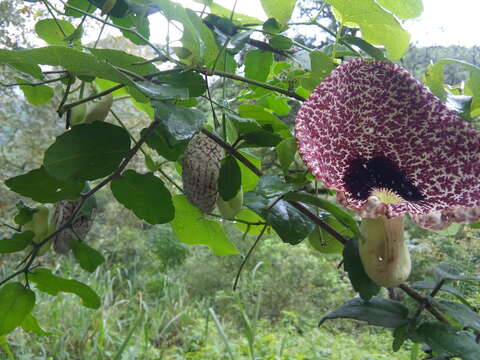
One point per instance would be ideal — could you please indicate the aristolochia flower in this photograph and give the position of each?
(390, 147)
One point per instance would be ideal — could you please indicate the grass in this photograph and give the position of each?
(187, 310)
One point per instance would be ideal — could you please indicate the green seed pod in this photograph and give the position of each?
(230, 208)
(200, 170)
(99, 110)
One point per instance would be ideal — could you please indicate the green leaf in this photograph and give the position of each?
(399, 337)
(341, 215)
(280, 42)
(461, 313)
(126, 61)
(38, 185)
(17, 242)
(30, 323)
(88, 258)
(229, 179)
(79, 4)
(161, 91)
(76, 36)
(29, 69)
(243, 125)
(238, 18)
(179, 123)
(406, 9)
(193, 81)
(286, 151)
(157, 140)
(291, 225)
(249, 179)
(323, 241)
(78, 62)
(192, 228)
(36, 94)
(321, 64)
(52, 284)
(434, 75)
(257, 65)
(271, 186)
(461, 104)
(368, 48)
(260, 138)
(87, 152)
(119, 9)
(49, 31)
(17, 302)
(137, 22)
(273, 26)
(279, 105)
(280, 10)
(352, 264)
(377, 312)
(378, 26)
(145, 195)
(448, 272)
(434, 81)
(25, 213)
(263, 117)
(430, 285)
(197, 37)
(250, 216)
(447, 340)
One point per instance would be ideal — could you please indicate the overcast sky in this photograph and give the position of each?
(443, 22)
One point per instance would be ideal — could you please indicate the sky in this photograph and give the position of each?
(443, 22)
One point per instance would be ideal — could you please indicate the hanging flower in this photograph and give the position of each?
(390, 147)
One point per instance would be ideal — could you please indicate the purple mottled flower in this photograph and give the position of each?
(370, 126)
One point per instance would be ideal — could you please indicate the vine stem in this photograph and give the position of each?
(83, 199)
(424, 302)
(249, 81)
(257, 240)
(36, 84)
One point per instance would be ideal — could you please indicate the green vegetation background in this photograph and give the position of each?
(164, 300)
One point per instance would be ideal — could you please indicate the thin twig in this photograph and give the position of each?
(224, 74)
(434, 292)
(257, 240)
(36, 84)
(65, 107)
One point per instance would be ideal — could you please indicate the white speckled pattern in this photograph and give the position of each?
(366, 109)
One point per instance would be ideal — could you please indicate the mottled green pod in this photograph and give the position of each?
(200, 171)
